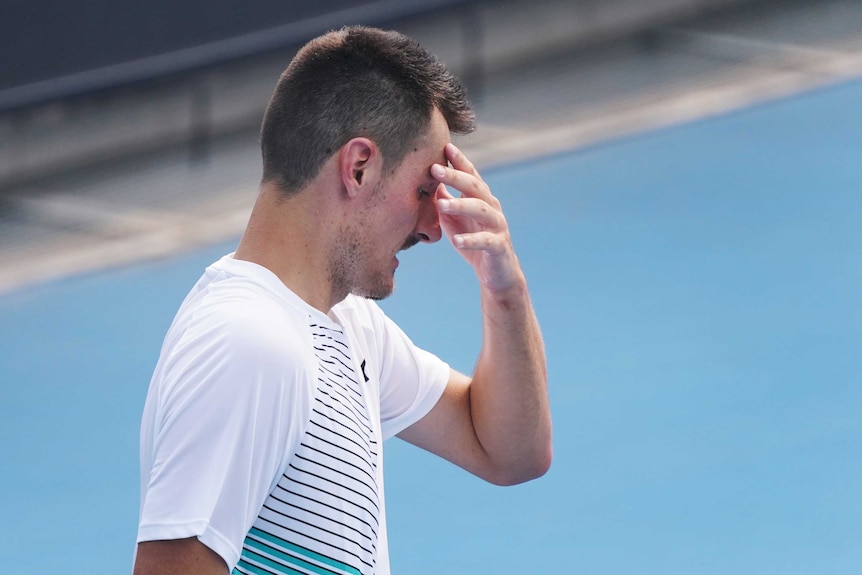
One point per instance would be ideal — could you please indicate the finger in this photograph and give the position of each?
(468, 184)
(443, 193)
(459, 161)
(488, 242)
(474, 209)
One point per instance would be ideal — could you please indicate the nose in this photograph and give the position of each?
(428, 226)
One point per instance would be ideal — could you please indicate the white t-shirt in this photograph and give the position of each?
(263, 426)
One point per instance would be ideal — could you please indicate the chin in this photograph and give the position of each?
(377, 295)
(380, 290)
(383, 293)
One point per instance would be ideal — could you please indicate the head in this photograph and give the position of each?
(355, 82)
(399, 211)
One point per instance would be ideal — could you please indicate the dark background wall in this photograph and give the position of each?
(94, 82)
(45, 39)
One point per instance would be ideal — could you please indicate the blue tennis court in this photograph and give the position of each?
(700, 290)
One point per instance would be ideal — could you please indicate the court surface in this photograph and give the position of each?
(700, 290)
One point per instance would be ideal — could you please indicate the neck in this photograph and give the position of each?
(290, 236)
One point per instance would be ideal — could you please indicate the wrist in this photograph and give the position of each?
(513, 295)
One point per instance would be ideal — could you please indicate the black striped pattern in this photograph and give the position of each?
(323, 516)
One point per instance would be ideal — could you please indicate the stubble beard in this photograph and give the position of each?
(350, 271)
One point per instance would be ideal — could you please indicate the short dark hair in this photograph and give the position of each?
(354, 82)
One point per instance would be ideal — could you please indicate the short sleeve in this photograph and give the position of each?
(411, 378)
(225, 410)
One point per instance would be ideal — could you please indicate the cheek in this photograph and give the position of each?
(406, 217)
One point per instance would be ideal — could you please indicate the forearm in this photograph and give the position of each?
(496, 424)
(508, 393)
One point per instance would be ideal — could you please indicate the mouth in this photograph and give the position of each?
(408, 243)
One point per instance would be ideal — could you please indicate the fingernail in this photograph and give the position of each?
(459, 241)
(443, 205)
(438, 171)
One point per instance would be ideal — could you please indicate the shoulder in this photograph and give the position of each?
(239, 326)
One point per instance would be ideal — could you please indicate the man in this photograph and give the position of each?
(280, 378)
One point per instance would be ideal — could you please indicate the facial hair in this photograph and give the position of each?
(350, 262)
(351, 268)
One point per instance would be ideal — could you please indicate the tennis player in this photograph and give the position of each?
(280, 377)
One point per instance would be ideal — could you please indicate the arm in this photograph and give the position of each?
(178, 557)
(497, 423)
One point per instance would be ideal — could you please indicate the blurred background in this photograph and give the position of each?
(122, 123)
(684, 182)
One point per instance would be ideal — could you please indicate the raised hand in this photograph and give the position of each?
(475, 223)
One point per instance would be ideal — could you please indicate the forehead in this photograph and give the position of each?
(429, 147)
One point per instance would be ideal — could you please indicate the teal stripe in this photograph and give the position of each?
(299, 551)
(296, 561)
(278, 567)
(259, 571)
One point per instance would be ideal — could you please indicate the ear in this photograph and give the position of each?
(360, 164)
